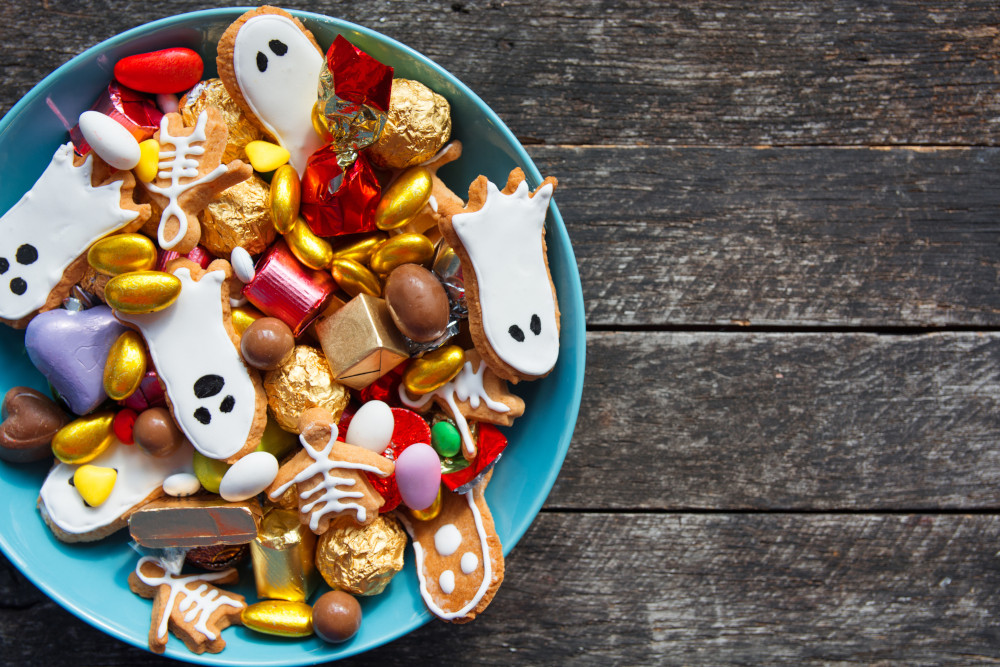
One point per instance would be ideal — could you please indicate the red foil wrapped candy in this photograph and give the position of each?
(337, 201)
(137, 112)
(282, 287)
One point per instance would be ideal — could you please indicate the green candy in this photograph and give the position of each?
(209, 471)
(446, 439)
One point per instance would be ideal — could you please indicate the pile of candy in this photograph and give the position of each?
(294, 360)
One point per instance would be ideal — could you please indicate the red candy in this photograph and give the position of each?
(282, 287)
(136, 112)
(122, 425)
(358, 77)
(490, 445)
(167, 71)
(350, 209)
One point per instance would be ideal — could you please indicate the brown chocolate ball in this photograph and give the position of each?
(417, 302)
(267, 343)
(156, 432)
(336, 616)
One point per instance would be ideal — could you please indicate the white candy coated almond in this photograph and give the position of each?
(181, 484)
(110, 140)
(242, 265)
(371, 427)
(249, 476)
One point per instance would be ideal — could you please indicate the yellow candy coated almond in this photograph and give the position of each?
(125, 367)
(354, 279)
(122, 253)
(265, 156)
(243, 317)
(399, 250)
(83, 439)
(310, 249)
(286, 197)
(433, 370)
(360, 250)
(149, 161)
(209, 471)
(405, 197)
(94, 483)
(279, 617)
(142, 291)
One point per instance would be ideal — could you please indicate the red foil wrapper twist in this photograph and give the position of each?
(137, 112)
(357, 76)
(284, 288)
(490, 445)
(350, 207)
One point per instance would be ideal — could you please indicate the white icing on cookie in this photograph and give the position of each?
(469, 562)
(277, 70)
(447, 539)
(447, 582)
(49, 227)
(210, 389)
(139, 475)
(504, 243)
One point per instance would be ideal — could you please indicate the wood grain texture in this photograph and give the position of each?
(683, 589)
(782, 237)
(639, 73)
(786, 421)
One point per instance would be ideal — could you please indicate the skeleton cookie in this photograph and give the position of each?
(499, 238)
(270, 64)
(44, 237)
(216, 399)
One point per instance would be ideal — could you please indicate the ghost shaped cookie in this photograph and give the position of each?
(270, 64)
(217, 400)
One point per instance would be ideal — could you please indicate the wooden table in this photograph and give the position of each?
(787, 220)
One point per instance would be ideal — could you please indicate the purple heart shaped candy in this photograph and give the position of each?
(70, 349)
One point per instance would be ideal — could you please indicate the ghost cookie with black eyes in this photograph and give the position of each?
(217, 400)
(270, 64)
(500, 239)
(44, 237)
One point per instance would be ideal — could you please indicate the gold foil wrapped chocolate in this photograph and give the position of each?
(239, 216)
(351, 126)
(361, 342)
(213, 93)
(360, 560)
(195, 521)
(304, 381)
(283, 557)
(419, 125)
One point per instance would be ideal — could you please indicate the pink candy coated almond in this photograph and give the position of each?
(167, 71)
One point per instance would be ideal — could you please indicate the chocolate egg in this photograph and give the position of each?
(267, 343)
(156, 432)
(336, 616)
(417, 302)
(30, 420)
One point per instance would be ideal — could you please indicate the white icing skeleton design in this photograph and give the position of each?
(504, 242)
(277, 69)
(50, 226)
(210, 389)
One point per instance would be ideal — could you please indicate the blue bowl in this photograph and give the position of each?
(91, 580)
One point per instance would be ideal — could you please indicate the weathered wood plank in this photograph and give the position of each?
(782, 237)
(723, 72)
(786, 421)
(694, 589)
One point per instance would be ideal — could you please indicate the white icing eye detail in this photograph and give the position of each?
(516, 333)
(536, 324)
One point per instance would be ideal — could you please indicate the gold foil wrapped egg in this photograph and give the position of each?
(354, 278)
(213, 93)
(83, 439)
(122, 253)
(238, 216)
(399, 250)
(283, 618)
(433, 370)
(310, 249)
(361, 560)
(304, 381)
(418, 126)
(359, 249)
(405, 197)
(125, 367)
(142, 291)
(286, 197)
(243, 317)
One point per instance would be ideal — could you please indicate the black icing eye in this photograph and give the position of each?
(26, 254)
(208, 385)
(203, 415)
(4, 265)
(516, 333)
(18, 286)
(536, 325)
(261, 62)
(278, 47)
(227, 404)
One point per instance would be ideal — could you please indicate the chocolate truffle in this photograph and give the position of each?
(417, 302)
(267, 343)
(336, 616)
(156, 432)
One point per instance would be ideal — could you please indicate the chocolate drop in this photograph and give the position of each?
(267, 343)
(156, 432)
(417, 302)
(336, 616)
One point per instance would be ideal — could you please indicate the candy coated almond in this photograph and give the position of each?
(142, 291)
(265, 156)
(286, 198)
(279, 617)
(122, 253)
(126, 366)
(83, 439)
(404, 198)
(110, 140)
(149, 160)
(433, 370)
(166, 71)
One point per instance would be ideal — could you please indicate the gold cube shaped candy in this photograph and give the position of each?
(361, 342)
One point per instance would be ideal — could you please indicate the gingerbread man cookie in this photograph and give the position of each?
(217, 400)
(189, 606)
(500, 240)
(44, 237)
(190, 175)
(270, 64)
(329, 476)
